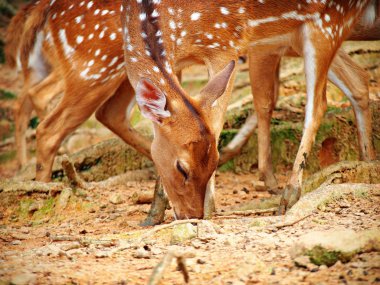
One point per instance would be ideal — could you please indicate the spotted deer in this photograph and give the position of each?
(163, 36)
(87, 43)
(40, 85)
(38, 96)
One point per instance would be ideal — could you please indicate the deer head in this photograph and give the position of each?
(184, 148)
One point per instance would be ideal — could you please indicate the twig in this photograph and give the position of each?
(236, 214)
(288, 224)
(71, 173)
(65, 238)
(160, 268)
(172, 224)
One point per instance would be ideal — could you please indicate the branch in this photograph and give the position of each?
(240, 140)
(71, 173)
(158, 271)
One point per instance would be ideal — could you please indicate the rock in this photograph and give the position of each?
(259, 186)
(142, 253)
(302, 261)
(182, 233)
(63, 199)
(102, 254)
(16, 242)
(35, 206)
(206, 230)
(116, 199)
(24, 279)
(328, 247)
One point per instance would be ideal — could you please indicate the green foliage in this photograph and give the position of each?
(45, 210)
(225, 137)
(6, 156)
(6, 95)
(33, 123)
(228, 166)
(319, 256)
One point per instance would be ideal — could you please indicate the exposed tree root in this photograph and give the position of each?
(69, 169)
(238, 214)
(30, 187)
(239, 141)
(160, 268)
(162, 227)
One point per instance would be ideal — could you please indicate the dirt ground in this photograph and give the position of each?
(238, 253)
(88, 239)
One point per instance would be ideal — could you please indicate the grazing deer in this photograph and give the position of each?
(40, 85)
(85, 37)
(163, 36)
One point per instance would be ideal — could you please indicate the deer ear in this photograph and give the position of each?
(151, 101)
(217, 85)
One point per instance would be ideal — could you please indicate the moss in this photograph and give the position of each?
(46, 209)
(6, 95)
(23, 210)
(321, 256)
(228, 166)
(7, 156)
(225, 137)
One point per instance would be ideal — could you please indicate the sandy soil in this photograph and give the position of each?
(238, 253)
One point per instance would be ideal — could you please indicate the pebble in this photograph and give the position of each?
(116, 199)
(142, 253)
(16, 242)
(24, 279)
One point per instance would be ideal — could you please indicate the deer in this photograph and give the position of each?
(344, 73)
(39, 86)
(108, 91)
(161, 37)
(59, 10)
(47, 89)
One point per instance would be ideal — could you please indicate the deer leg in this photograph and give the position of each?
(22, 112)
(71, 111)
(264, 72)
(113, 115)
(353, 81)
(318, 56)
(44, 92)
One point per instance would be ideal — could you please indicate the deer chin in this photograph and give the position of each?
(186, 213)
(186, 206)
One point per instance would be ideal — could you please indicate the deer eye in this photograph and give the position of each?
(182, 170)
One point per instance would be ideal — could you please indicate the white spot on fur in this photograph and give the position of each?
(195, 16)
(224, 10)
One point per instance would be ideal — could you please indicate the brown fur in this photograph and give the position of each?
(34, 23)
(14, 35)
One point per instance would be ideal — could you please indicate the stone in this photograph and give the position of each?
(329, 247)
(116, 199)
(206, 230)
(35, 206)
(24, 279)
(182, 233)
(302, 261)
(142, 253)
